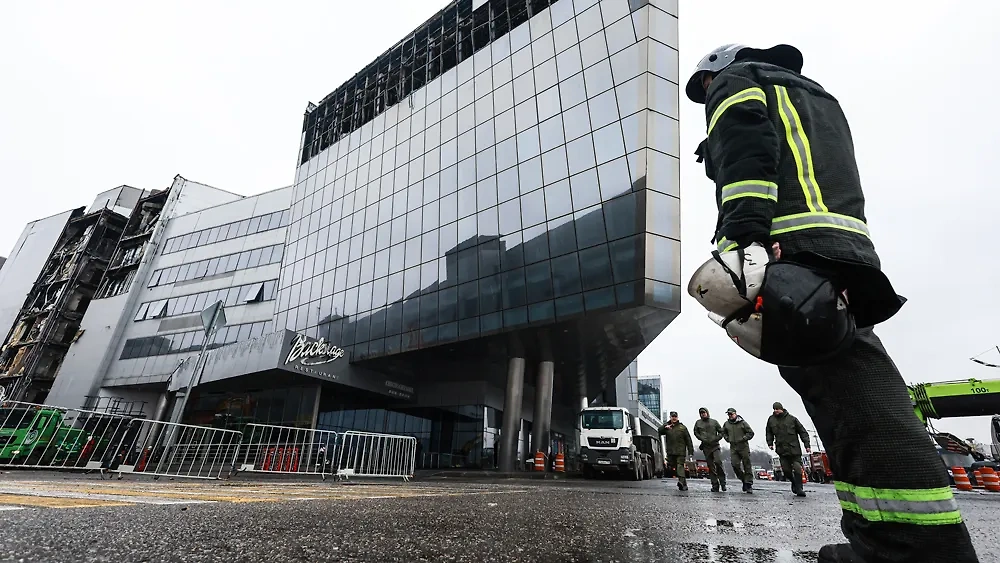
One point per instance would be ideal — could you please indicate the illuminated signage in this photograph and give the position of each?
(315, 353)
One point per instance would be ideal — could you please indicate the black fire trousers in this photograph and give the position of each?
(892, 486)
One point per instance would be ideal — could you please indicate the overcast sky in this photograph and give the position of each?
(96, 95)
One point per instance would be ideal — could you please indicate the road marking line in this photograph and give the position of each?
(4, 507)
(49, 502)
(97, 497)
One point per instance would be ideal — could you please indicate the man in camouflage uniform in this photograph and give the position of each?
(709, 432)
(783, 434)
(738, 433)
(679, 447)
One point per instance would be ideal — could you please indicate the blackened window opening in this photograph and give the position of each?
(453, 35)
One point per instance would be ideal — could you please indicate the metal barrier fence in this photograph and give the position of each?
(365, 454)
(268, 448)
(168, 449)
(50, 437)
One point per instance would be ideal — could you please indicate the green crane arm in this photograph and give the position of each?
(948, 399)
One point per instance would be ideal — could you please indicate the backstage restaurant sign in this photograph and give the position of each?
(307, 352)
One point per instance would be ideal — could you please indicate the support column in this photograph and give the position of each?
(511, 414)
(542, 424)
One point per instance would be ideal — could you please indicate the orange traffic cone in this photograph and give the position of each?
(539, 461)
(560, 463)
(991, 480)
(978, 475)
(962, 482)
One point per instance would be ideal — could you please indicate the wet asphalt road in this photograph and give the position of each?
(441, 520)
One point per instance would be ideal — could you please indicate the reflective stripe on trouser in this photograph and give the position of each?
(716, 471)
(742, 466)
(864, 417)
(907, 506)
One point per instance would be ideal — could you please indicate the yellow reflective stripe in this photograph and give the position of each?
(750, 188)
(750, 94)
(798, 142)
(800, 221)
(925, 507)
(725, 245)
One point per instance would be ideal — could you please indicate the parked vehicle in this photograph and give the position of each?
(608, 444)
(654, 462)
(819, 468)
(29, 433)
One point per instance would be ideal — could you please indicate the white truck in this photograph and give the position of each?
(607, 444)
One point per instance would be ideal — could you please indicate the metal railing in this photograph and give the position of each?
(268, 448)
(49, 437)
(168, 449)
(367, 454)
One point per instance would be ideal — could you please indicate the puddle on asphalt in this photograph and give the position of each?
(714, 523)
(704, 553)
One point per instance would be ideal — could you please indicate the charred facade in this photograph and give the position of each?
(49, 321)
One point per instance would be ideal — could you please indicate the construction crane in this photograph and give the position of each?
(952, 399)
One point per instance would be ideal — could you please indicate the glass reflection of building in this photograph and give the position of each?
(503, 183)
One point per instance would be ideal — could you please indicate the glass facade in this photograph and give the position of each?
(532, 183)
(503, 180)
(229, 231)
(220, 265)
(649, 394)
(191, 340)
(196, 302)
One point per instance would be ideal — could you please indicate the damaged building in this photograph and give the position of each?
(482, 234)
(48, 321)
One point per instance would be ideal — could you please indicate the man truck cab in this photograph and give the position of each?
(608, 443)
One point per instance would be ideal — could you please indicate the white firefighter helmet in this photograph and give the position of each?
(784, 313)
(729, 280)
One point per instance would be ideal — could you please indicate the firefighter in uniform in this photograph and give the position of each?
(738, 433)
(780, 152)
(709, 432)
(679, 447)
(783, 434)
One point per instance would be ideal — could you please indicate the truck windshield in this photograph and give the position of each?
(603, 420)
(16, 418)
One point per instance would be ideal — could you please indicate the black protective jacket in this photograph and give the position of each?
(780, 152)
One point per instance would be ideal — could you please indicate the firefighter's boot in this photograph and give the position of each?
(839, 553)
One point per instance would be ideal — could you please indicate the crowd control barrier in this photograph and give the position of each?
(49, 437)
(284, 449)
(168, 449)
(367, 454)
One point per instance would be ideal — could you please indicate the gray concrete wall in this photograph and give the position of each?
(81, 369)
(195, 196)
